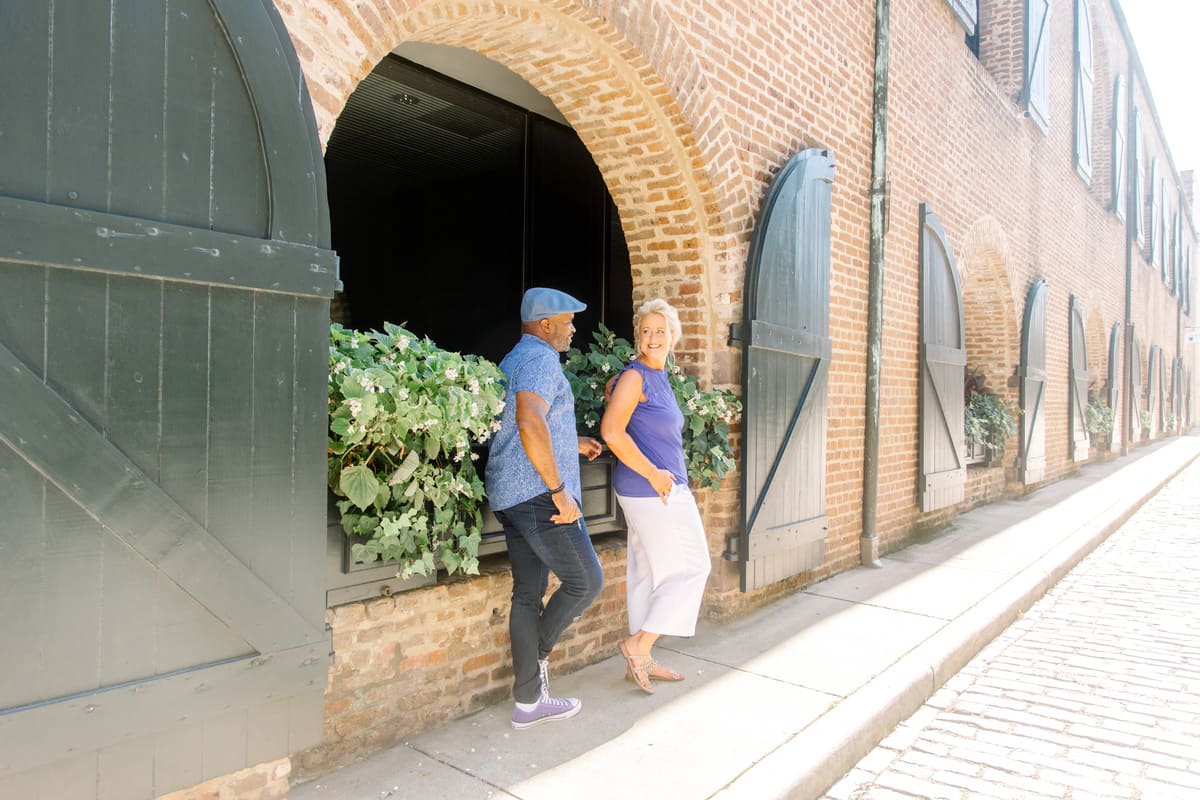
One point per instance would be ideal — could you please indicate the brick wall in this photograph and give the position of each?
(407, 662)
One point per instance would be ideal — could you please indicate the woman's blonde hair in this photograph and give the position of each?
(656, 306)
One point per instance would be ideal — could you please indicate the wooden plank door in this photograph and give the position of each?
(786, 371)
(1078, 378)
(943, 362)
(164, 286)
(1032, 464)
(1135, 386)
(1153, 389)
(1114, 386)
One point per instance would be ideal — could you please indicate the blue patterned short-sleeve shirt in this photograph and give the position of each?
(532, 366)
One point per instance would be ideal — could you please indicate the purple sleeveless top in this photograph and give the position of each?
(656, 427)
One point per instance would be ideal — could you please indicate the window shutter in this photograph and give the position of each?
(1037, 62)
(1118, 148)
(1139, 181)
(1164, 215)
(1173, 261)
(1085, 81)
(1155, 213)
(967, 12)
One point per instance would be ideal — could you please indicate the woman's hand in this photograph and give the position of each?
(662, 482)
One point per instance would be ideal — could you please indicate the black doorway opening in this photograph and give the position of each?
(446, 203)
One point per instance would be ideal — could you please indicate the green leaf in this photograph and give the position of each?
(360, 485)
(406, 468)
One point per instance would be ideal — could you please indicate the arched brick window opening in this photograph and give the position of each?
(612, 81)
(1097, 347)
(989, 312)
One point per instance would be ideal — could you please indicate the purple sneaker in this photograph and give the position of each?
(548, 709)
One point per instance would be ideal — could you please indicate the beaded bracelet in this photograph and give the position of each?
(561, 486)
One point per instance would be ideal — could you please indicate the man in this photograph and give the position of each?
(532, 480)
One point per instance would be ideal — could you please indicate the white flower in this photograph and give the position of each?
(499, 406)
(474, 409)
(592, 385)
(473, 385)
(604, 367)
(401, 343)
(355, 407)
(458, 457)
(451, 374)
(496, 425)
(354, 341)
(402, 394)
(340, 366)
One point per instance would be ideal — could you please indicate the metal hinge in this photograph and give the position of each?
(731, 548)
(735, 334)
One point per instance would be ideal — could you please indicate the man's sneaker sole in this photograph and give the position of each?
(548, 718)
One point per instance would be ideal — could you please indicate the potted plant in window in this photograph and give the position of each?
(403, 416)
(988, 421)
(1099, 419)
(707, 413)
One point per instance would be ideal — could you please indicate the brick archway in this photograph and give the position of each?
(990, 313)
(627, 83)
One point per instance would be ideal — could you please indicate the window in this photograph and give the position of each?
(967, 12)
(1085, 81)
(1037, 62)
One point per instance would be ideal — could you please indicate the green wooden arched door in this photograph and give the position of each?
(1032, 464)
(943, 362)
(164, 286)
(786, 375)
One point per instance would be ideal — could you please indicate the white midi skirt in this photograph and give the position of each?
(666, 563)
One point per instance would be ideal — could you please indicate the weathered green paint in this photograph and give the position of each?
(164, 286)
(1032, 373)
(787, 353)
(1078, 379)
(943, 357)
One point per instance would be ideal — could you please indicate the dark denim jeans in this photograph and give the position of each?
(535, 547)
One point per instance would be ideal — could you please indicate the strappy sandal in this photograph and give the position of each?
(660, 673)
(637, 669)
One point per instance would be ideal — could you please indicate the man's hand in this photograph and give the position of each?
(568, 511)
(589, 447)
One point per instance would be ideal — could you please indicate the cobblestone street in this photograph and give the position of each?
(1094, 693)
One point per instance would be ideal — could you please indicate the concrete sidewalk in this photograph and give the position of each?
(781, 703)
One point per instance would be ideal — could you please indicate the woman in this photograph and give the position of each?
(666, 560)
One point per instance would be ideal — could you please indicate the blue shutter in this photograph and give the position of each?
(967, 12)
(1085, 81)
(1119, 152)
(1037, 62)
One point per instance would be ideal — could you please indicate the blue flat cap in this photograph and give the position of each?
(540, 303)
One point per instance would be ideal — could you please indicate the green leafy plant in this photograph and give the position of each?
(989, 420)
(1099, 416)
(403, 417)
(1144, 418)
(707, 413)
